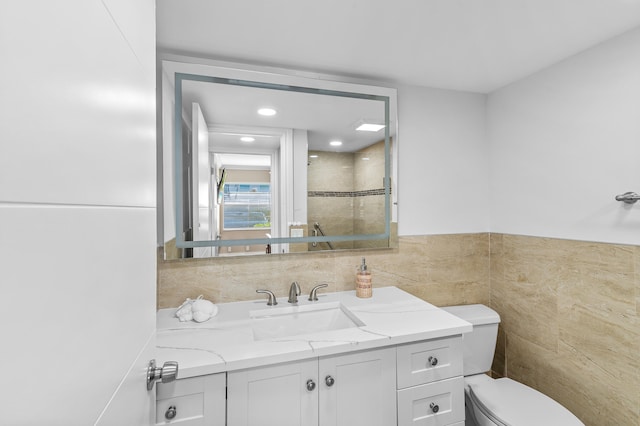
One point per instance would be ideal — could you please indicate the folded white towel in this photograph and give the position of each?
(198, 310)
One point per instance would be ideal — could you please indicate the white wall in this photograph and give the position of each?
(77, 210)
(565, 142)
(443, 162)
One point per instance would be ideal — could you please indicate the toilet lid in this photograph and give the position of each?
(509, 403)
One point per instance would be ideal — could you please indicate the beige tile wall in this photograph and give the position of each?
(330, 171)
(369, 174)
(335, 216)
(569, 309)
(449, 269)
(570, 323)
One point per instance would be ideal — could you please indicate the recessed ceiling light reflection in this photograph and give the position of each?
(370, 127)
(313, 156)
(267, 112)
(335, 143)
(247, 139)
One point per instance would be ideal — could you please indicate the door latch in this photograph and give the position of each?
(167, 373)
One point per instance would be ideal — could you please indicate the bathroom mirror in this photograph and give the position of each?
(312, 173)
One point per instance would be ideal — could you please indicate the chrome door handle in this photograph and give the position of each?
(167, 373)
(329, 381)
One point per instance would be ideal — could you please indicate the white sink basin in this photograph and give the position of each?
(296, 320)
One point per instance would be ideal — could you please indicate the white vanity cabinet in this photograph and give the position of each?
(430, 383)
(195, 401)
(278, 395)
(401, 364)
(358, 388)
(352, 389)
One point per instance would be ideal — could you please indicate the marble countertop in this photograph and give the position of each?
(228, 341)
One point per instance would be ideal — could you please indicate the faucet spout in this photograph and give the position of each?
(294, 292)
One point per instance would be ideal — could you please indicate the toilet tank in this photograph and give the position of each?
(479, 345)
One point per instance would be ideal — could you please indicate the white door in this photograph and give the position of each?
(277, 395)
(202, 193)
(77, 211)
(358, 389)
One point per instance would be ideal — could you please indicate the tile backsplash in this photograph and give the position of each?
(569, 309)
(444, 270)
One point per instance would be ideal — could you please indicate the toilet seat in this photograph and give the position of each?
(506, 402)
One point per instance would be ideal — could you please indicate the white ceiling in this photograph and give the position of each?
(470, 45)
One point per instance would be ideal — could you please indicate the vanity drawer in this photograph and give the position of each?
(193, 402)
(188, 409)
(428, 361)
(434, 404)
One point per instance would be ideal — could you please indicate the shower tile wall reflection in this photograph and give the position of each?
(369, 209)
(330, 174)
(346, 195)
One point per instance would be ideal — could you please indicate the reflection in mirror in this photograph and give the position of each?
(308, 175)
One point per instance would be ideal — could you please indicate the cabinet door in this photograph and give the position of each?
(358, 389)
(196, 401)
(275, 395)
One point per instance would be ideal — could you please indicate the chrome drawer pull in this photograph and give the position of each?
(433, 361)
(171, 413)
(311, 385)
(434, 407)
(329, 381)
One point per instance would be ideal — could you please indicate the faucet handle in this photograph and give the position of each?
(272, 298)
(312, 296)
(297, 287)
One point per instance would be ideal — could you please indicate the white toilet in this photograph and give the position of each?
(499, 402)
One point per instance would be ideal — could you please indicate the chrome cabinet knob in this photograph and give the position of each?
(171, 413)
(167, 373)
(329, 381)
(434, 407)
(311, 385)
(433, 361)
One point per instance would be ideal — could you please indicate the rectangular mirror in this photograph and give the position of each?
(312, 172)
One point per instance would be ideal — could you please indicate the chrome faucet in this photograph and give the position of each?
(312, 296)
(294, 292)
